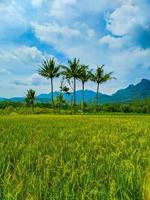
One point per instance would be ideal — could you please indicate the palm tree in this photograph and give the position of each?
(72, 72)
(100, 77)
(50, 70)
(30, 98)
(84, 76)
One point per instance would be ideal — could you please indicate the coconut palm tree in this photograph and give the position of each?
(84, 76)
(30, 98)
(50, 70)
(72, 72)
(100, 77)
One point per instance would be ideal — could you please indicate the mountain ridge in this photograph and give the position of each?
(139, 91)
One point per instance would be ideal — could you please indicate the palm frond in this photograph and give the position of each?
(49, 69)
(84, 74)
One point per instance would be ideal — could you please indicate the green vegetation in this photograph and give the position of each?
(74, 157)
(137, 106)
(62, 107)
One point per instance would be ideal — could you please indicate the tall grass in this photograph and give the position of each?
(74, 157)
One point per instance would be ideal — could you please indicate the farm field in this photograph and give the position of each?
(52, 157)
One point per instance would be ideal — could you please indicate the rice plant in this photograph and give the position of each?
(74, 157)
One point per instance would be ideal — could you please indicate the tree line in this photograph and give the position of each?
(70, 74)
(135, 106)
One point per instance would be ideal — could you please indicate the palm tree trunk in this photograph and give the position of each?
(82, 96)
(97, 96)
(52, 98)
(74, 93)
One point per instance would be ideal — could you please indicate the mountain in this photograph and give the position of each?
(89, 96)
(17, 99)
(132, 92)
(138, 91)
(2, 99)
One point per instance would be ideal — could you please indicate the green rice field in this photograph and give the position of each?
(52, 157)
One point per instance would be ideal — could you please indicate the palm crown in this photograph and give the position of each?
(73, 70)
(49, 69)
(100, 77)
(84, 74)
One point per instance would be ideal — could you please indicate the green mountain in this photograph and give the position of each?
(138, 91)
(132, 92)
(2, 99)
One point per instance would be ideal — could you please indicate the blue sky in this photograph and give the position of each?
(114, 33)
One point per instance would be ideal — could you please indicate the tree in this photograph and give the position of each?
(30, 98)
(60, 100)
(72, 72)
(50, 70)
(84, 76)
(100, 77)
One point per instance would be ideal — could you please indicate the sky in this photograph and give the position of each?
(111, 32)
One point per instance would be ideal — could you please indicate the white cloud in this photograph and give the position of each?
(4, 72)
(124, 18)
(92, 52)
(53, 33)
(37, 3)
(72, 41)
(22, 59)
(21, 54)
(113, 42)
(36, 80)
(13, 22)
(33, 80)
(63, 8)
(122, 62)
(90, 33)
(138, 57)
(98, 5)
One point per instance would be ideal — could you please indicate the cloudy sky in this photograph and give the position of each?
(111, 32)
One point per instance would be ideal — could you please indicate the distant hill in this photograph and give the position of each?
(89, 96)
(138, 91)
(132, 92)
(17, 99)
(2, 99)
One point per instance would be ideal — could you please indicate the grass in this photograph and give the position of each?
(74, 157)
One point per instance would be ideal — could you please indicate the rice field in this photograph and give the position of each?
(52, 157)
